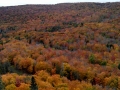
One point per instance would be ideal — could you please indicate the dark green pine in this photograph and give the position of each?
(33, 84)
(1, 84)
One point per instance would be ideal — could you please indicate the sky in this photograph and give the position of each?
(23, 2)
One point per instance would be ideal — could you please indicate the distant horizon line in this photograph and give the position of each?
(55, 3)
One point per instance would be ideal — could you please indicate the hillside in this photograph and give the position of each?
(68, 46)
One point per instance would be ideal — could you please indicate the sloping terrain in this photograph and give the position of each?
(69, 46)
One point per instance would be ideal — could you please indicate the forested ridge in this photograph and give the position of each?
(67, 46)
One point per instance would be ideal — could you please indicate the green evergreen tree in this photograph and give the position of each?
(92, 59)
(1, 84)
(2, 68)
(119, 66)
(33, 84)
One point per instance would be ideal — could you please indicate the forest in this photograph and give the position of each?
(67, 46)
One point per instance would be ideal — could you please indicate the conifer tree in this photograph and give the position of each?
(33, 84)
(1, 84)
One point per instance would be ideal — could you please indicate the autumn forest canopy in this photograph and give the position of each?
(68, 46)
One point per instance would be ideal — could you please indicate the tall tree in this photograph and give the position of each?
(33, 84)
(1, 84)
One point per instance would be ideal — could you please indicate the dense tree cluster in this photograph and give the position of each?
(73, 46)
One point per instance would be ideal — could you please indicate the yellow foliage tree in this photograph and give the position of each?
(42, 66)
(111, 81)
(10, 87)
(9, 79)
(23, 86)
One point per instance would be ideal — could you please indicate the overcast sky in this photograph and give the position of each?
(22, 2)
